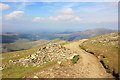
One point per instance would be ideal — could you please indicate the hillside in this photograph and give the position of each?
(12, 70)
(105, 47)
(65, 59)
(23, 44)
(13, 37)
(87, 34)
(53, 61)
(17, 61)
(68, 36)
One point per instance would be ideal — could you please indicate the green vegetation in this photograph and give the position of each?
(16, 70)
(107, 46)
(24, 44)
(75, 59)
(17, 55)
(38, 68)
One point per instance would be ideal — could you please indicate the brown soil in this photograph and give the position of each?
(88, 66)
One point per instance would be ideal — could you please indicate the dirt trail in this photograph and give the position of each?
(89, 62)
(87, 66)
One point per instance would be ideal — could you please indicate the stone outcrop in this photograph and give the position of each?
(48, 53)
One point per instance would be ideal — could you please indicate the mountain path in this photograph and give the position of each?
(89, 63)
(88, 66)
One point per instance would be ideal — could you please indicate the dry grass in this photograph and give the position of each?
(106, 45)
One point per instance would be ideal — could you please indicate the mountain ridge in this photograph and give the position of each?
(87, 34)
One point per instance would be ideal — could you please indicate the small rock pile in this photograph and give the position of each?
(47, 53)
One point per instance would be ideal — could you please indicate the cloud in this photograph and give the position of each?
(61, 17)
(64, 15)
(64, 18)
(67, 11)
(4, 6)
(58, 18)
(14, 15)
(36, 19)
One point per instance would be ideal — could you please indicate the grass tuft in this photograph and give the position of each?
(75, 59)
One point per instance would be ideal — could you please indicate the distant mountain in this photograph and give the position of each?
(10, 37)
(67, 35)
(66, 32)
(87, 34)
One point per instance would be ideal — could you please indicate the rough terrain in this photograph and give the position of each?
(48, 53)
(88, 66)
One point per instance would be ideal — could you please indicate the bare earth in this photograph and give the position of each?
(88, 66)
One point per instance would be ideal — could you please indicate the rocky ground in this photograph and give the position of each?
(110, 39)
(88, 66)
(48, 53)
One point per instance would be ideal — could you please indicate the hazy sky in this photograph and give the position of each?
(58, 16)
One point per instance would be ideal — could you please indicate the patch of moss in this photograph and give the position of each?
(75, 59)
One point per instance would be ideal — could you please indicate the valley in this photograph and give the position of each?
(42, 40)
(21, 41)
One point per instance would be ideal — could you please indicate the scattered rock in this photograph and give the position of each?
(1, 68)
(35, 77)
(47, 53)
(10, 61)
(59, 62)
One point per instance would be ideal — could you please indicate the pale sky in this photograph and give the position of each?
(58, 16)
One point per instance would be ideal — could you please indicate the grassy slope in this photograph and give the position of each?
(23, 44)
(106, 45)
(16, 71)
(107, 49)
